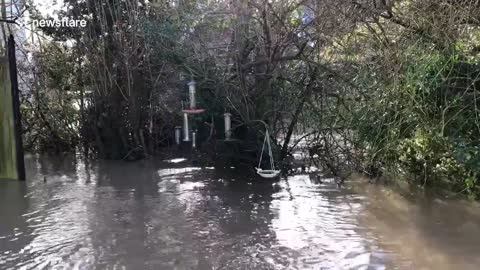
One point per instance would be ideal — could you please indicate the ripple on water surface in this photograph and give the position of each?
(168, 215)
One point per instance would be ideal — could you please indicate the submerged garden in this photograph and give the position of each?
(384, 88)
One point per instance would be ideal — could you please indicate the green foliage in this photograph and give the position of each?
(423, 120)
(163, 39)
(50, 112)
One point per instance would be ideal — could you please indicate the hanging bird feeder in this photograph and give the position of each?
(228, 126)
(273, 172)
(192, 93)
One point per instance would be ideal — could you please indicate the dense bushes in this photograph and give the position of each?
(377, 89)
(50, 112)
(423, 120)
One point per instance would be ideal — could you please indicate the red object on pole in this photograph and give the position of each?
(194, 111)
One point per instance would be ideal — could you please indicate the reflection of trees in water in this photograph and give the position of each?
(123, 219)
(246, 201)
(441, 234)
(46, 218)
(446, 227)
(57, 166)
(124, 213)
(15, 233)
(235, 220)
(138, 215)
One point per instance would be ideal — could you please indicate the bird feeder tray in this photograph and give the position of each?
(194, 111)
(268, 173)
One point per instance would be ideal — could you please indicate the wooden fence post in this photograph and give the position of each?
(16, 109)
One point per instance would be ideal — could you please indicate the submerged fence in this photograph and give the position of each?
(11, 150)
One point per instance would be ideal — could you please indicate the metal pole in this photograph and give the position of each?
(194, 139)
(178, 134)
(186, 128)
(228, 125)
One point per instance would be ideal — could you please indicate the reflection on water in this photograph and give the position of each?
(320, 225)
(170, 215)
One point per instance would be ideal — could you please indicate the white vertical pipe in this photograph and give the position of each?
(194, 139)
(192, 93)
(178, 134)
(186, 128)
(228, 125)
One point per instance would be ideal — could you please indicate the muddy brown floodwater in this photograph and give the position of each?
(172, 215)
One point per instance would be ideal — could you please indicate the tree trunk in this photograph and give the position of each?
(305, 96)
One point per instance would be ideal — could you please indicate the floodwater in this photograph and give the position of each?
(173, 215)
